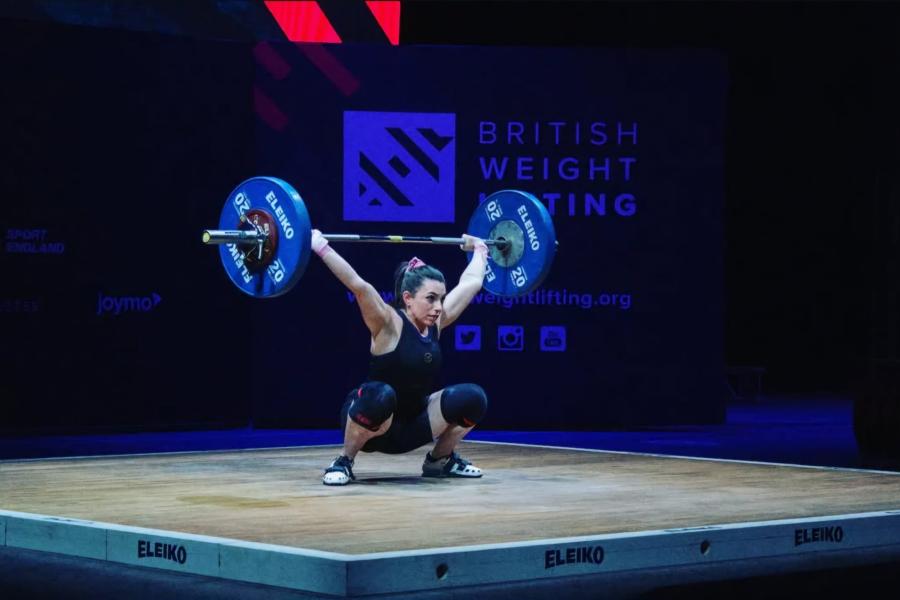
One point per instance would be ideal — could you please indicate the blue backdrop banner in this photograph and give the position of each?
(624, 148)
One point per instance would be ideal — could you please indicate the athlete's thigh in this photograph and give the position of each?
(435, 416)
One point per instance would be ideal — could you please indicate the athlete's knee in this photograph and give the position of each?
(463, 404)
(375, 402)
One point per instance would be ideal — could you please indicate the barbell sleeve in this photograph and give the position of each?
(233, 236)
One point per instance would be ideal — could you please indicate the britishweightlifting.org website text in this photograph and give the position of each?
(542, 297)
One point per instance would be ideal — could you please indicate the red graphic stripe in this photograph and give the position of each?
(268, 111)
(303, 21)
(266, 56)
(387, 13)
(331, 67)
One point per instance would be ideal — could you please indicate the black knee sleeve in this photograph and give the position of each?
(463, 404)
(374, 403)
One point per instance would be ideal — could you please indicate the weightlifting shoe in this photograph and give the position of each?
(449, 466)
(340, 472)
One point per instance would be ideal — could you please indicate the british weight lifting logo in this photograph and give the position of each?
(399, 166)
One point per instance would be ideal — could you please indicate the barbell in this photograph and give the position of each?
(264, 239)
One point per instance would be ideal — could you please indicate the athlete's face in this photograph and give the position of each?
(425, 306)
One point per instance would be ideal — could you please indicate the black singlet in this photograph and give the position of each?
(411, 368)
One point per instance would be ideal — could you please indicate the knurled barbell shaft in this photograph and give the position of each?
(225, 236)
(405, 239)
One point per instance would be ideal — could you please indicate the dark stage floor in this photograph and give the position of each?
(809, 430)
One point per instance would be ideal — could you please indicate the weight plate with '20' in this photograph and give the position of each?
(525, 223)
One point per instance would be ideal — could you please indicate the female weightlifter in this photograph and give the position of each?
(397, 409)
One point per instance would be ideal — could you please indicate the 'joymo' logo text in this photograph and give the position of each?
(116, 305)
